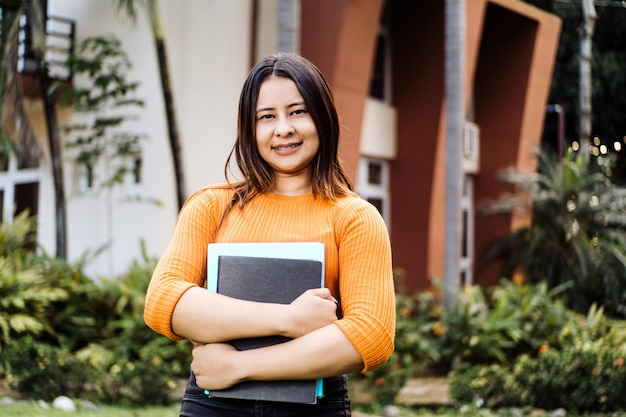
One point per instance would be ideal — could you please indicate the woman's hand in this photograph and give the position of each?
(215, 365)
(312, 310)
(220, 365)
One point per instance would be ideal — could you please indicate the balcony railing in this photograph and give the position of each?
(60, 39)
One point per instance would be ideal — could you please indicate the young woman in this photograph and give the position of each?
(293, 189)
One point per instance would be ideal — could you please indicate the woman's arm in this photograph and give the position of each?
(322, 353)
(229, 318)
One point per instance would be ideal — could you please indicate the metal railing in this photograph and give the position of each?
(60, 41)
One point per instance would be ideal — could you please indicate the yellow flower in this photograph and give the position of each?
(468, 289)
(518, 277)
(438, 329)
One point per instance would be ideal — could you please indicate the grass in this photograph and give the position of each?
(32, 409)
(473, 411)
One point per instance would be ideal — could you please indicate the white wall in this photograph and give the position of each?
(208, 49)
(208, 46)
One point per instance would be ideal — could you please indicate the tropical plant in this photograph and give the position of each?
(577, 234)
(81, 337)
(495, 325)
(102, 106)
(26, 295)
(42, 296)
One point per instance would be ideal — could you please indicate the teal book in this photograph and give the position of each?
(267, 272)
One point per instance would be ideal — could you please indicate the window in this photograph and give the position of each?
(85, 177)
(19, 189)
(380, 86)
(134, 170)
(373, 184)
(467, 238)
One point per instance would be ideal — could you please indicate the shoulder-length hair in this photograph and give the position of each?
(328, 177)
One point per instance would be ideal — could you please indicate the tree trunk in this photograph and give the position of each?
(56, 158)
(172, 128)
(168, 99)
(586, 36)
(455, 118)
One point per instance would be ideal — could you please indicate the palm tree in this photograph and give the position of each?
(586, 35)
(15, 126)
(15, 123)
(152, 7)
(577, 235)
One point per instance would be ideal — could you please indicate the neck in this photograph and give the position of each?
(292, 185)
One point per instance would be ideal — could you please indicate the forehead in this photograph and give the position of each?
(278, 89)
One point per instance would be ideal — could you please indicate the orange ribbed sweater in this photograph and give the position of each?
(358, 258)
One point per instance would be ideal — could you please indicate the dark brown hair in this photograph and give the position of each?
(329, 179)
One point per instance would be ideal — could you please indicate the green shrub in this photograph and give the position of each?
(136, 383)
(385, 383)
(415, 346)
(579, 379)
(496, 324)
(135, 364)
(74, 328)
(41, 371)
(492, 386)
(487, 326)
(585, 374)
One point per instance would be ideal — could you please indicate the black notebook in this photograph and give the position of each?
(255, 272)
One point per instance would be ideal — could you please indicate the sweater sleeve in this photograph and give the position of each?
(366, 284)
(183, 264)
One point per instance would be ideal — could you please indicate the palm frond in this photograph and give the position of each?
(577, 234)
(129, 8)
(15, 123)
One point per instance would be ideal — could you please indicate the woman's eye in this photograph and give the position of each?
(265, 116)
(299, 111)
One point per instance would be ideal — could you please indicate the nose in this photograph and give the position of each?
(283, 127)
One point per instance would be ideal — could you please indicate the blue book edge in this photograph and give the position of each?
(284, 250)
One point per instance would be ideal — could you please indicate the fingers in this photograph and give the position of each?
(323, 293)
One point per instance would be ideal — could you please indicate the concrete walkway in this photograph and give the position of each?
(430, 391)
(425, 391)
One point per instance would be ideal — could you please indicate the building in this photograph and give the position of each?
(385, 63)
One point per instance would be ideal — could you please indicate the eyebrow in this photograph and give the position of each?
(297, 103)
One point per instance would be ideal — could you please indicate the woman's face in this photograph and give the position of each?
(286, 135)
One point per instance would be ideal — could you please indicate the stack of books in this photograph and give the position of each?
(271, 273)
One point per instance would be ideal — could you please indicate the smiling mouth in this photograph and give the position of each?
(286, 147)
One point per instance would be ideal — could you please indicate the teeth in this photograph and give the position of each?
(281, 148)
